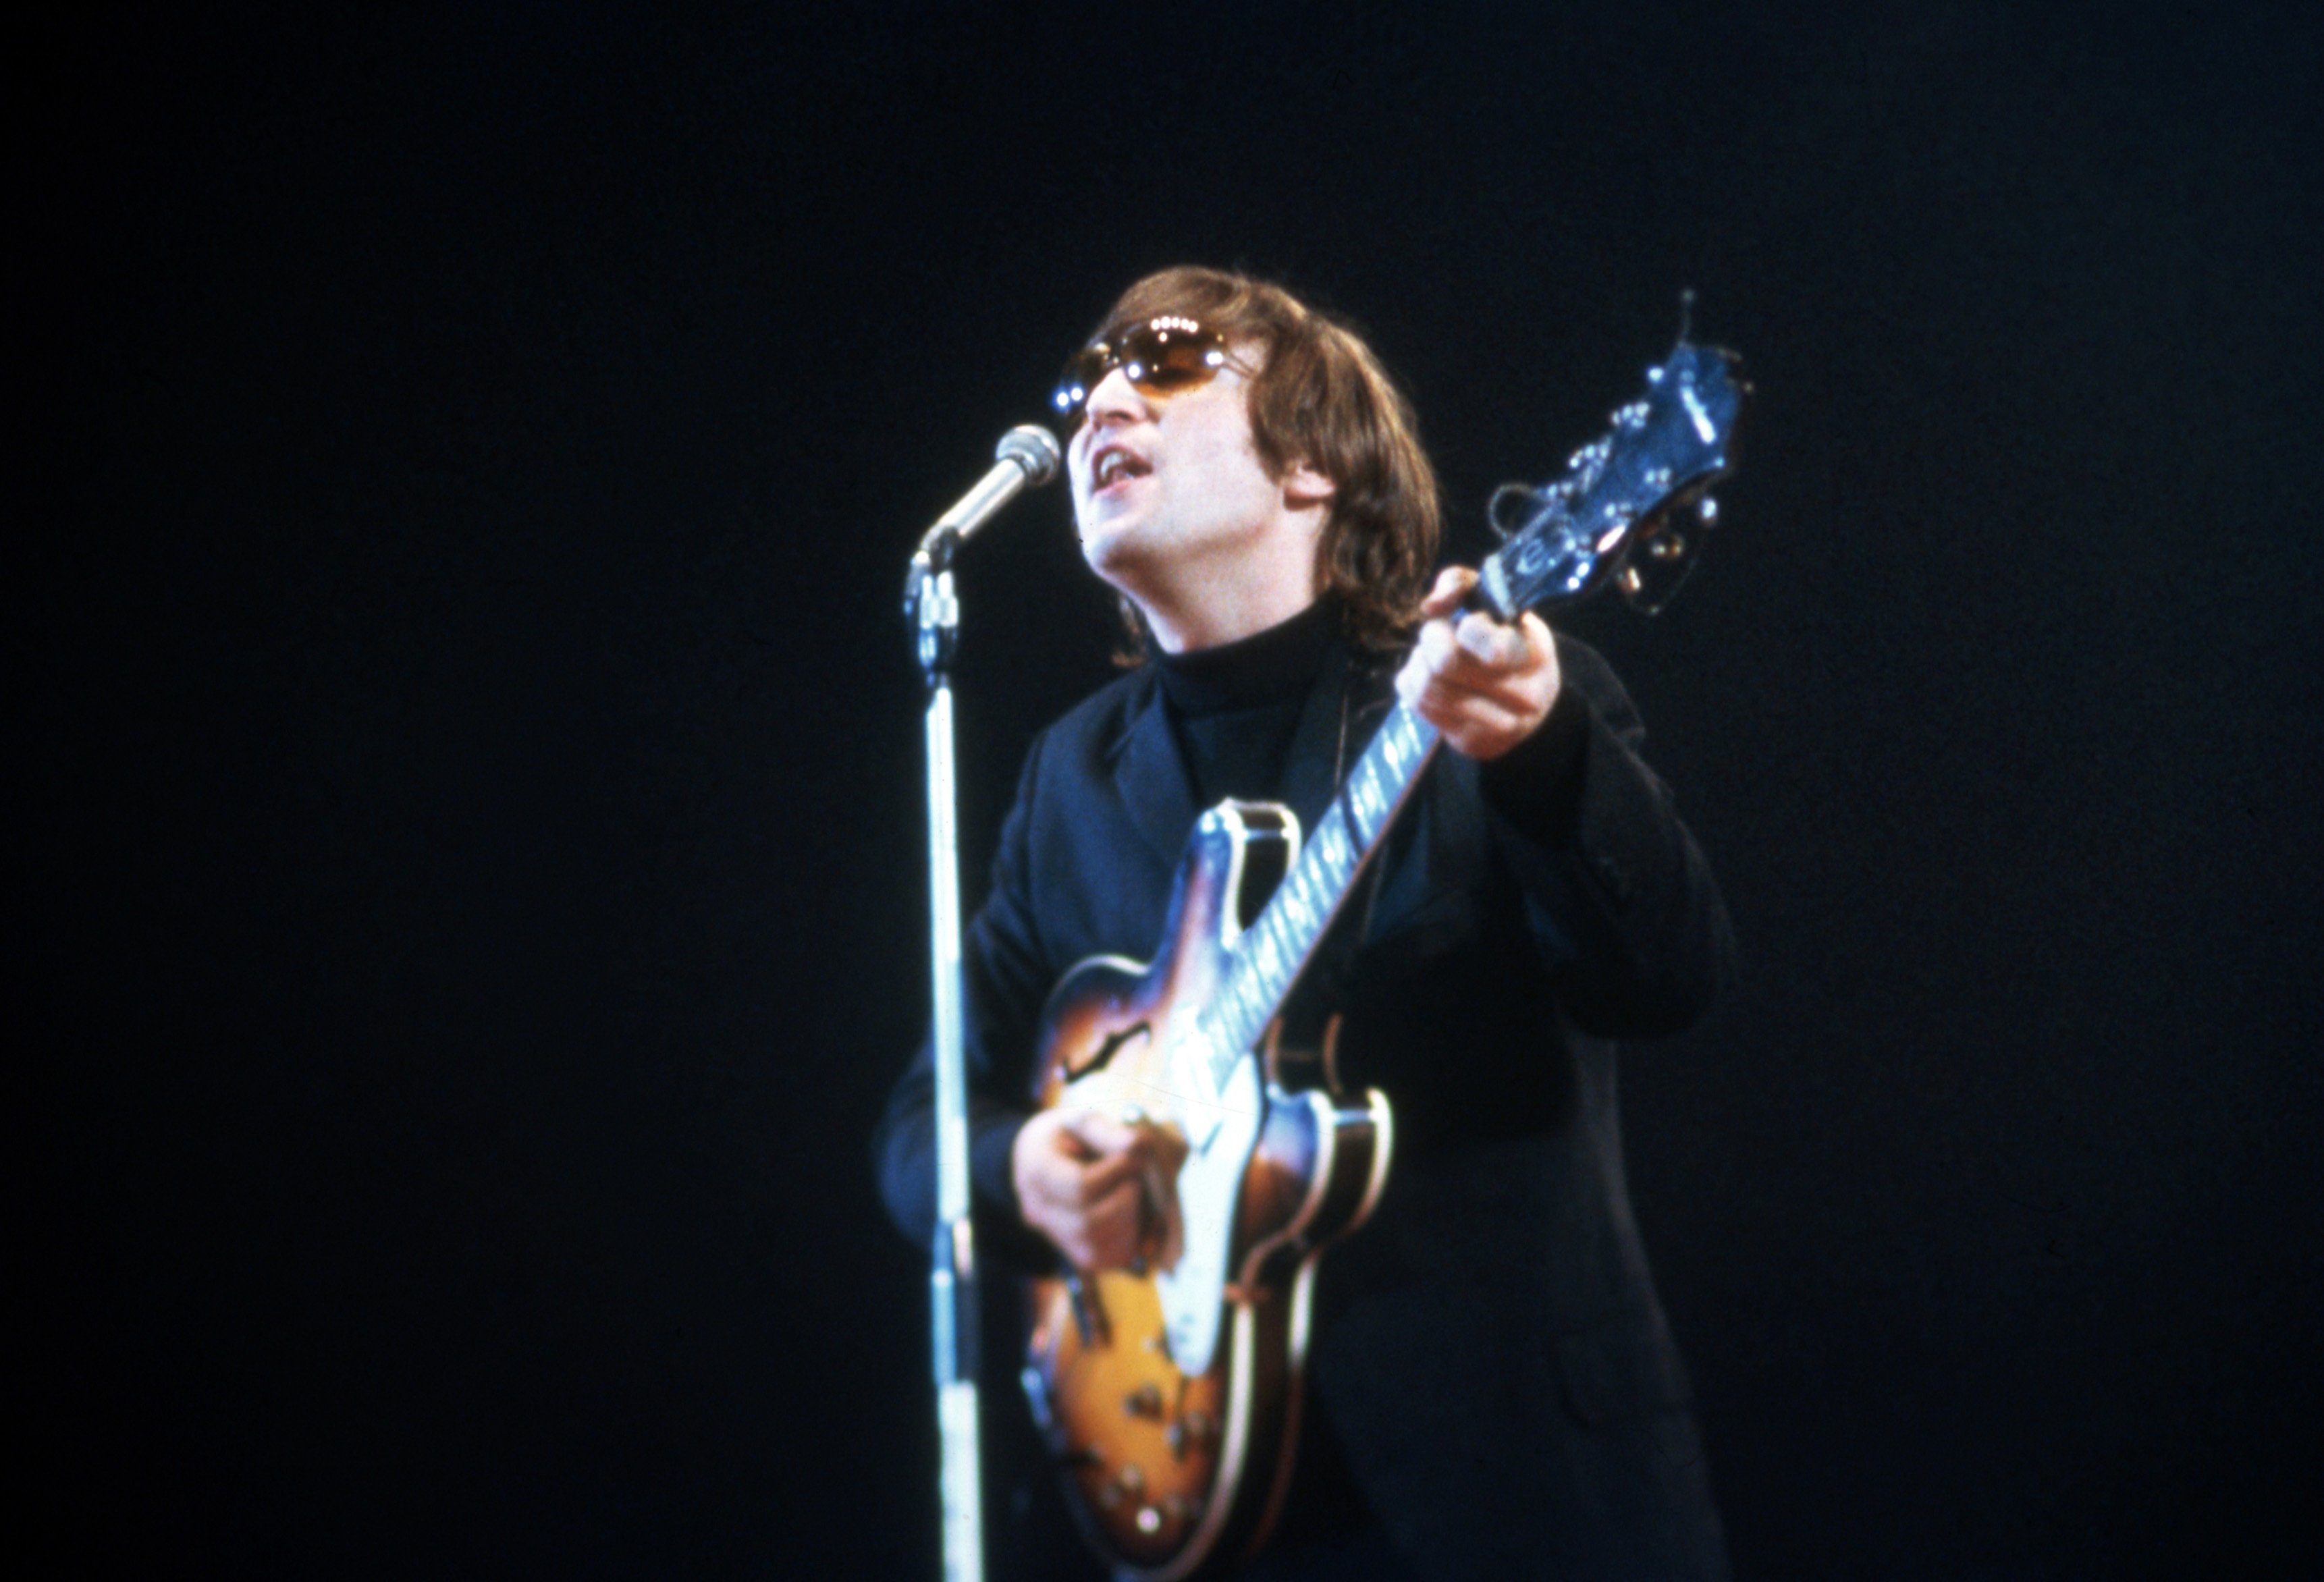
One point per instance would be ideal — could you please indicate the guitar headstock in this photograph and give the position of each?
(1632, 506)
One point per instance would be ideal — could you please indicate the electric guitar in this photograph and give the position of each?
(1170, 1393)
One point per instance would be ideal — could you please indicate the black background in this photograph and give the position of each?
(474, 895)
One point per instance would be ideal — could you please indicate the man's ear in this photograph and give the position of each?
(1304, 486)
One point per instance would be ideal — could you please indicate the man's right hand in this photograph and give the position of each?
(1088, 1183)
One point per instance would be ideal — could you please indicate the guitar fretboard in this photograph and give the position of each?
(1269, 958)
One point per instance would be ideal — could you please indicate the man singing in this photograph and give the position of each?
(1493, 1388)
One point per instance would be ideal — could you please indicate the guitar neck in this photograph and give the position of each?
(1566, 538)
(1273, 950)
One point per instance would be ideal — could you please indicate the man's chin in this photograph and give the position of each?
(1114, 549)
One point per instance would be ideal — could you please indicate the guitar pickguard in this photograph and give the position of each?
(1219, 1135)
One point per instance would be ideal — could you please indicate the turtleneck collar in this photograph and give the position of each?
(1276, 665)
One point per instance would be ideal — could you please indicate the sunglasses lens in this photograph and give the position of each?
(1159, 357)
(1081, 376)
(1170, 356)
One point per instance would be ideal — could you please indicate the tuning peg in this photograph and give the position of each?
(1706, 510)
(1510, 508)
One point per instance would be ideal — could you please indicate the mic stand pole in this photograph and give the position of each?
(930, 605)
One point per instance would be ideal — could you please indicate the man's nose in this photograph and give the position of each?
(1115, 398)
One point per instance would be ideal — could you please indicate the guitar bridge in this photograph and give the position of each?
(1088, 1312)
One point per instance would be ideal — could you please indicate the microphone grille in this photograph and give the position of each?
(1033, 448)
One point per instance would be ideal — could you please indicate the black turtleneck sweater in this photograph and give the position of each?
(1236, 706)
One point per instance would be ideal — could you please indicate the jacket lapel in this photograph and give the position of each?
(1150, 775)
(1308, 779)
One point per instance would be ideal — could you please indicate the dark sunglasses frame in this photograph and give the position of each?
(1159, 357)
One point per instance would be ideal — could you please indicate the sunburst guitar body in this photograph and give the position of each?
(1170, 1393)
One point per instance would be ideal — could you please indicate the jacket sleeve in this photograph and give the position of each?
(1006, 977)
(1617, 891)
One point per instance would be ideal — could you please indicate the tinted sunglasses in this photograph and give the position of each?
(1159, 357)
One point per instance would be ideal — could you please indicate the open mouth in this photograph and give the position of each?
(1113, 467)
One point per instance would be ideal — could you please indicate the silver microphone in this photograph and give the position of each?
(1026, 458)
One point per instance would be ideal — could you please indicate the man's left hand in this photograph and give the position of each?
(1485, 685)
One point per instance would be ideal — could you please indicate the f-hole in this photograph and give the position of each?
(1109, 1049)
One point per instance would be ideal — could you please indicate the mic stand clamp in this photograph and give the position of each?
(930, 606)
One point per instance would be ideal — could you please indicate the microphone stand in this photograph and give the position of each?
(1027, 457)
(934, 612)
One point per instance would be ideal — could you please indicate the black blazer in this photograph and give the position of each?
(1489, 1349)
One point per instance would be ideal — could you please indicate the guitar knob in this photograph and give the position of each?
(1149, 1520)
(1190, 1433)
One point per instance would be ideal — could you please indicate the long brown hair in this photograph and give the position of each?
(1321, 397)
